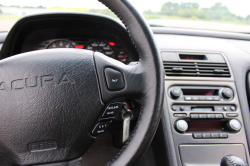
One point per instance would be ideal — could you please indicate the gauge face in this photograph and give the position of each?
(123, 56)
(102, 47)
(60, 44)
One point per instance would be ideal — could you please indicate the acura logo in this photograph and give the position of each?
(35, 82)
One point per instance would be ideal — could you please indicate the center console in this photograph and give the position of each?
(204, 111)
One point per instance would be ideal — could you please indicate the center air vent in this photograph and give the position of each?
(196, 69)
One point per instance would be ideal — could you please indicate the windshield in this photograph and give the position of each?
(220, 15)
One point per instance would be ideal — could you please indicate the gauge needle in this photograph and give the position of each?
(125, 56)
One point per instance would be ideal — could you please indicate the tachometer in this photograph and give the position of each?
(100, 46)
(123, 56)
(60, 44)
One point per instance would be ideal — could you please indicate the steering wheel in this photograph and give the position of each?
(53, 97)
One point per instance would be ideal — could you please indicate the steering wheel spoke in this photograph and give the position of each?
(119, 80)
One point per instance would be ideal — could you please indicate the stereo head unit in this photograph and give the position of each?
(194, 93)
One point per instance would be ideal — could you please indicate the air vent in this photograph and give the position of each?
(196, 69)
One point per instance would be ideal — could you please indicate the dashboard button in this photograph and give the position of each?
(232, 108)
(180, 115)
(215, 135)
(225, 108)
(223, 135)
(114, 79)
(216, 98)
(209, 98)
(194, 116)
(196, 98)
(202, 116)
(206, 135)
(219, 116)
(197, 135)
(210, 116)
(232, 115)
(188, 98)
(218, 108)
(182, 108)
(111, 109)
(202, 98)
(174, 108)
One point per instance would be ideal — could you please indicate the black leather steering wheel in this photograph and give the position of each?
(53, 98)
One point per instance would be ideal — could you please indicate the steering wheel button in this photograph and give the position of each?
(101, 127)
(111, 110)
(114, 79)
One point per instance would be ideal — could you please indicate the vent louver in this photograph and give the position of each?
(196, 69)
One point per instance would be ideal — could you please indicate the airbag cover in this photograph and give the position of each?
(49, 101)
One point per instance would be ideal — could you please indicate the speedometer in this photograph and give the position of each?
(100, 46)
(60, 44)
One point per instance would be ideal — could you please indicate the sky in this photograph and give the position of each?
(239, 7)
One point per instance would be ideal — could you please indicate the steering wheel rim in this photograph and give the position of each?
(142, 37)
(144, 83)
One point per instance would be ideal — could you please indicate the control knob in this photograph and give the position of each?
(227, 93)
(175, 92)
(234, 125)
(181, 125)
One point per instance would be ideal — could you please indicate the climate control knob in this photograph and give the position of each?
(175, 93)
(181, 125)
(234, 125)
(227, 93)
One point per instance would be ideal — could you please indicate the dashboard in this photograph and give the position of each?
(86, 32)
(207, 80)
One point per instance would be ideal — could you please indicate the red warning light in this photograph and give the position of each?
(79, 46)
(111, 43)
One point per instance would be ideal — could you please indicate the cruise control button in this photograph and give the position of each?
(206, 135)
(101, 127)
(202, 116)
(219, 116)
(111, 109)
(223, 135)
(194, 116)
(197, 135)
(114, 79)
(214, 135)
(210, 116)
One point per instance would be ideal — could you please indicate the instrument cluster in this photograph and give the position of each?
(109, 48)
